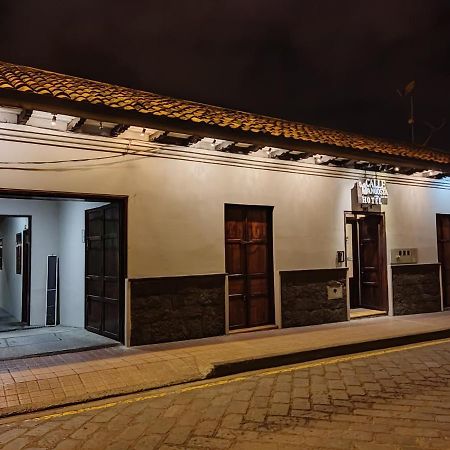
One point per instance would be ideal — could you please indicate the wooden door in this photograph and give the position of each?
(26, 275)
(248, 251)
(104, 286)
(372, 255)
(443, 238)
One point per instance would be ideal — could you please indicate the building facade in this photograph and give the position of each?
(167, 232)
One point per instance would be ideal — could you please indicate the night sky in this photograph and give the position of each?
(331, 63)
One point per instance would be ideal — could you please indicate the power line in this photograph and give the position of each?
(61, 161)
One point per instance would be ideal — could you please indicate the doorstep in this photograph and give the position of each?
(253, 329)
(42, 341)
(360, 313)
(33, 384)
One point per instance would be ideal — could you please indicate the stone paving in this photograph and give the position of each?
(384, 400)
(36, 383)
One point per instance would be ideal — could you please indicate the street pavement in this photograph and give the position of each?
(397, 398)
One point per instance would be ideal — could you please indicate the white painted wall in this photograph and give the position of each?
(176, 202)
(10, 282)
(56, 228)
(44, 241)
(71, 260)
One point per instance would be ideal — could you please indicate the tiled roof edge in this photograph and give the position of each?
(21, 85)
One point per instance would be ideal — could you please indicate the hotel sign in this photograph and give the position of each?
(372, 191)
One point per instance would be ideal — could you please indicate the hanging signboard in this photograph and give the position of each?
(371, 191)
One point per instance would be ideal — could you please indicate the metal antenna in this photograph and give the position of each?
(433, 129)
(405, 92)
(411, 116)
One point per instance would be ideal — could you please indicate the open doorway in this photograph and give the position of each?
(62, 268)
(366, 259)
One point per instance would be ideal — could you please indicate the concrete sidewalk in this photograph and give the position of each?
(37, 383)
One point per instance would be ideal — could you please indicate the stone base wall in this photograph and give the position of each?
(304, 297)
(416, 288)
(177, 308)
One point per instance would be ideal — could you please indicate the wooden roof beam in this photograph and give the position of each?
(339, 162)
(242, 149)
(170, 138)
(76, 124)
(119, 129)
(441, 175)
(24, 116)
(292, 156)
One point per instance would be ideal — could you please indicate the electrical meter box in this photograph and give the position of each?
(404, 256)
(335, 290)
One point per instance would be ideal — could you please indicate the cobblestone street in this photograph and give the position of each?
(393, 399)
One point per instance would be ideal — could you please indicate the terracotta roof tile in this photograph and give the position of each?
(40, 82)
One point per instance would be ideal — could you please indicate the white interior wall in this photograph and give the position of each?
(56, 229)
(44, 241)
(175, 207)
(10, 281)
(71, 260)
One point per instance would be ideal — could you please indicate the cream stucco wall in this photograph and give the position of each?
(176, 202)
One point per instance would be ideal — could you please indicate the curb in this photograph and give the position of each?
(32, 409)
(222, 369)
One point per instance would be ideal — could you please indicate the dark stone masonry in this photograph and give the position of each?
(177, 308)
(304, 297)
(416, 288)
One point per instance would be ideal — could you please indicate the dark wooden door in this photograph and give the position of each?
(443, 238)
(249, 264)
(372, 253)
(104, 305)
(26, 275)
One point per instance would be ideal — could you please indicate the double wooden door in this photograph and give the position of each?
(249, 265)
(443, 238)
(104, 285)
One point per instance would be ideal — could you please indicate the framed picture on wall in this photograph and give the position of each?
(18, 253)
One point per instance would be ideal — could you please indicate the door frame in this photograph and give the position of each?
(270, 276)
(122, 266)
(355, 250)
(384, 300)
(445, 302)
(26, 283)
(122, 201)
